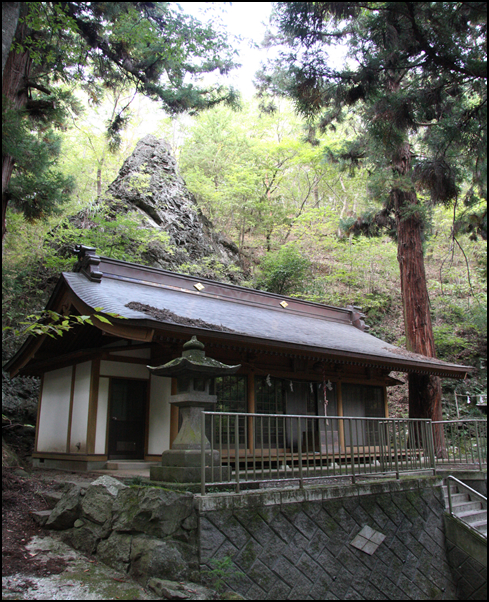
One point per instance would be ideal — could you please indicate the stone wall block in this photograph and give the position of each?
(66, 511)
(97, 503)
(87, 535)
(166, 559)
(153, 511)
(116, 551)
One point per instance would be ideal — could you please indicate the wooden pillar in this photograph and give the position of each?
(93, 406)
(39, 409)
(70, 413)
(251, 408)
(386, 405)
(341, 425)
(173, 414)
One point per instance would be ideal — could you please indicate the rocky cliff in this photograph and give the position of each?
(150, 187)
(175, 233)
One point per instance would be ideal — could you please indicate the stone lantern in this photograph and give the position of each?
(195, 374)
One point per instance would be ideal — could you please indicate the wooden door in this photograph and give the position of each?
(127, 418)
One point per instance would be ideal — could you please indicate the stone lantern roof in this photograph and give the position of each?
(193, 362)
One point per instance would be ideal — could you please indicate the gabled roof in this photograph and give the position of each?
(151, 300)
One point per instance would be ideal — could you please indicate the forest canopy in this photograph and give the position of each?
(318, 180)
(152, 48)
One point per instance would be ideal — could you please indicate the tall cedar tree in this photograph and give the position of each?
(417, 78)
(151, 46)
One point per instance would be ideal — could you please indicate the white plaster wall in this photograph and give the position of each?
(123, 370)
(55, 409)
(159, 415)
(79, 419)
(102, 409)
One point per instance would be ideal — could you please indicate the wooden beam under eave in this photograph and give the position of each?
(31, 346)
(134, 333)
(118, 329)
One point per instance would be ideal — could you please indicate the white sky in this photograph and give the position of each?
(245, 19)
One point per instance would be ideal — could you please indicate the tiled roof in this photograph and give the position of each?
(157, 298)
(153, 299)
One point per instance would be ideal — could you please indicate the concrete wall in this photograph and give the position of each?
(297, 545)
(467, 555)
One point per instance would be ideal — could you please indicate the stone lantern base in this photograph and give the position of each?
(184, 466)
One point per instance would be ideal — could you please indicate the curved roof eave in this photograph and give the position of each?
(146, 308)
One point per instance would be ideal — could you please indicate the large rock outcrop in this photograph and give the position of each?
(146, 531)
(150, 186)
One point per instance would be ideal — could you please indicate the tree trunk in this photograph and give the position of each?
(10, 19)
(424, 390)
(14, 91)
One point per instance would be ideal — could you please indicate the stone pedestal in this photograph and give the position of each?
(184, 466)
(194, 372)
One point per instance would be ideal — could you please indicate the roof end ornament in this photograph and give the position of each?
(88, 262)
(357, 318)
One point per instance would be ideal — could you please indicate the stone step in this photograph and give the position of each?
(453, 488)
(41, 516)
(458, 498)
(473, 517)
(483, 529)
(52, 497)
(480, 526)
(129, 465)
(466, 506)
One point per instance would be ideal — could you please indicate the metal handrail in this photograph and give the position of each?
(459, 451)
(354, 449)
(473, 492)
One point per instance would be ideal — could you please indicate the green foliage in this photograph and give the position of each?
(283, 271)
(210, 267)
(153, 48)
(460, 330)
(256, 179)
(418, 78)
(37, 187)
(52, 324)
(447, 343)
(116, 235)
(222, 569)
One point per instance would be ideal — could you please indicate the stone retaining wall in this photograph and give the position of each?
(308, 545)
(379, 540)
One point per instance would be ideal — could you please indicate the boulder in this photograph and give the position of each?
(166, 559)
(67, 510)
(116, 551)
(174, 590)
(149, 185)
(153, 511)
(20, 397)
(86, 535)
(99, 498)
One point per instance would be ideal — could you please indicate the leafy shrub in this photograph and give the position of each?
(447, 342)
(283, 271)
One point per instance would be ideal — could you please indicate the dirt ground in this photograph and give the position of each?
(36, 565)
(22, 495)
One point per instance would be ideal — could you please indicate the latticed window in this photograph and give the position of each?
(270, 398)
(232, 396)
(363, 401)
